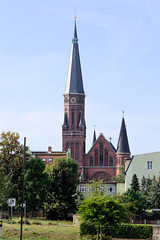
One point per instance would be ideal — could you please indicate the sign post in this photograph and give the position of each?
(0, 223)
(11, 203)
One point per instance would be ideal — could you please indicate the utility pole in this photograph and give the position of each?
(23, 171)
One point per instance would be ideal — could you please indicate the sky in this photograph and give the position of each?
(119, 43)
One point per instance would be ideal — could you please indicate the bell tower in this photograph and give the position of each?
(74, 127)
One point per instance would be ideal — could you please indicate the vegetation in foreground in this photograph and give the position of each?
(40, 230)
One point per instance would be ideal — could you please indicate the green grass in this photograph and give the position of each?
(55, 230)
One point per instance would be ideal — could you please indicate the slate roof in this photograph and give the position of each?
(74, 83)
(123, 145)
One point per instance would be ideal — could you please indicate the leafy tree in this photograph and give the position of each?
(102, 211)
(37, 184)
(137, 202)
(135, 183)
(62, 194)
(11, 160)
(96, 187)
(120, 177)
(134, 201)
(153, 197)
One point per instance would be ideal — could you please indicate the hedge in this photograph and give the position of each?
(134, 231)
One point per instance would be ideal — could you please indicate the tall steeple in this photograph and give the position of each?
(74, 127)
(74, 80)
(123, 145)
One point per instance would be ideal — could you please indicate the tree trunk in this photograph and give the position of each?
(98, 233)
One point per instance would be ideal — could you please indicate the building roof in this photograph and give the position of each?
(123, 145)
(74, 83)
(154, 156)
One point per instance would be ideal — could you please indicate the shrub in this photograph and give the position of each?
(37, 223)
(134, 231)
(94, 237)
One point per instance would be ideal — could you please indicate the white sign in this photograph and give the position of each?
(12, 202)
(22, 204)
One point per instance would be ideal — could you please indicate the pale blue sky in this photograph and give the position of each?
(119, 42)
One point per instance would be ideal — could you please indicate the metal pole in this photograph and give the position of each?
(25, 211)
(23, 170)
(11, 214)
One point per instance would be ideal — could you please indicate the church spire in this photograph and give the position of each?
(94, 136)
(123, 145)
(74, 80)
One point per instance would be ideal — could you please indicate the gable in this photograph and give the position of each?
(106, 144)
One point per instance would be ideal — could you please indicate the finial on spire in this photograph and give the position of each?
(75, 14)
(123, 114)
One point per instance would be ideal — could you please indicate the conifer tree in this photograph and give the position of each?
(135, 183)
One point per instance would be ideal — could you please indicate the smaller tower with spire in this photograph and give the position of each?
(123, 150)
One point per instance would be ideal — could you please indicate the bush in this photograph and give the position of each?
(94, 237)
(37, 223)
(135, 231)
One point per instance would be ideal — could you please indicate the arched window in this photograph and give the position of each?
(72, 119)
(111, 161)
(77, 151)
(72, 150)
(101, 154)
(84, 147)
(106, 157)
(96, 157)
(91, 161)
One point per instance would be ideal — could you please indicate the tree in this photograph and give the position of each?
(135, 183)
(37, 184)
(101, 211)
(120, 177)
(11, 160)
(136, 200)
(133, 199)
(62, 194)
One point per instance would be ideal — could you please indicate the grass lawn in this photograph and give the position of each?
(54, 230)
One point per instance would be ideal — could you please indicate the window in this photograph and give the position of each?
(91, 161)
(149, 165)
(111, 188)
(101, 154)
(82, 188)
(72, 119)
(96, 157)
(50, 159)
(72, 150)
(77, 151)
(43, 159)
(106, 157)
(90, 188)
(111, 161)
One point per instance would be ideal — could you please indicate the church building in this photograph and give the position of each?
(103, 159)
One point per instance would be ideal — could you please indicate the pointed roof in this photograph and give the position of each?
(123, 145)
(94, 137)
(74, 80)
(81, 124)
(65, 124)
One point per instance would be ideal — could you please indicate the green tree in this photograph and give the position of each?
(62, 194)
(133, 199)
(102, 211)
(120, 177)
(36, 184)
(137, 202)
(153, 198)
(135, 183)
(11, 160)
